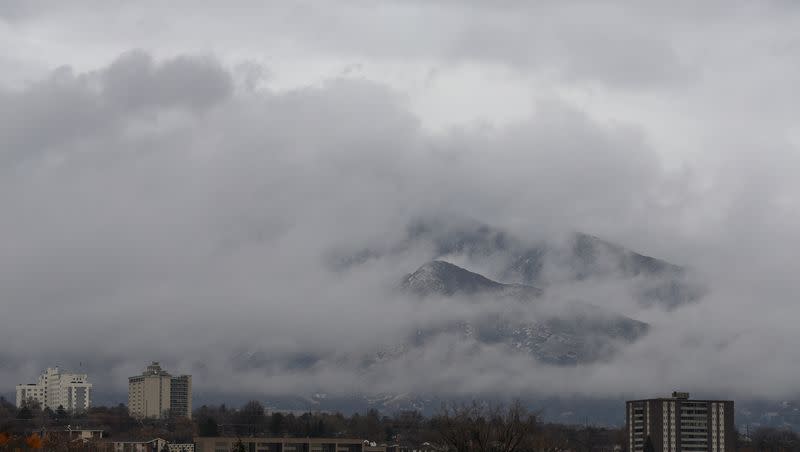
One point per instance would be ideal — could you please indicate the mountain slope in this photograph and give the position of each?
(444, 278)
(542, 260)
(572, 333)
(545, 262)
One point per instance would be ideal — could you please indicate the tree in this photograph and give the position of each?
(61, 414)
(7, 412)
(183, 430)
(208, 427)
(484, 428)
(251, 418)
(32, 404)
(33, 441)
(551, 439)
(24, 413)
(277, 424)
(31, 411)
(769, 438)
(239, 446)
(63, 443)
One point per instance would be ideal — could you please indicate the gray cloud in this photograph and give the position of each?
(616, 44)
(160, 205)
(67, 109)
(134, 82)
(211, 232)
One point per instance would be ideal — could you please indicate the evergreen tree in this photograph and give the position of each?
(61, 414)
(277, 424)
(24, 413)
(208, 427)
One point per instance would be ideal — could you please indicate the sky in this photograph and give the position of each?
(174, 177)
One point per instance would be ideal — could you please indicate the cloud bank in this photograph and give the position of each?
(182, 205)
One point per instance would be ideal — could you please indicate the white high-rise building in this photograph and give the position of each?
(56, 388)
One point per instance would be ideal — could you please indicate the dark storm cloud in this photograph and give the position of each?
(66, 108)
(134, 82)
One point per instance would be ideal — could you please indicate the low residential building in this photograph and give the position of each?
(73, 433)
(57, 389)
(222, 444)
(131, 445)
(680, 424)
(180, 447)
(72, 437)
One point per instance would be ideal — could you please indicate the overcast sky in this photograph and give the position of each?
(174, 174)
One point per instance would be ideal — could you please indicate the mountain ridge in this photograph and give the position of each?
(577, 332)
(540, 261)
(444, 278)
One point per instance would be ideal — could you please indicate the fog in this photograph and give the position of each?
(178, 182)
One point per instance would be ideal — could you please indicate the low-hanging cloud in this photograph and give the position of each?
(159, 209)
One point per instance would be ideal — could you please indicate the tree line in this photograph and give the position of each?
(470, 427)
(473, 427)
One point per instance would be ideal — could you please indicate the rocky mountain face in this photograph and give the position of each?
(574, 333)
(444, 278)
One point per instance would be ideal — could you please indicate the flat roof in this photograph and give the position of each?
(282, 440)
(672, 399)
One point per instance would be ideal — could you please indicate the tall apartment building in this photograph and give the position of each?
(157, 394)
(55, 388)
(678, 424)
(180, 403)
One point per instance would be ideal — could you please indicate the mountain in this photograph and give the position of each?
(580, 257)
(571, 333)
(528, 300)
(444, 278)
(540, 260)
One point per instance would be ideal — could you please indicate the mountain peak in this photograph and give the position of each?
(578, 333)
(444, 278)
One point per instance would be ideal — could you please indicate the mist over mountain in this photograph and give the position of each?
(561, 258)
(484, 314)
(589, 210)
(576, 332)
(444, 278)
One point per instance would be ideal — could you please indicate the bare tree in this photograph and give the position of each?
(486, 428)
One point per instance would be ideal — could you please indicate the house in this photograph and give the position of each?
(131, 445)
